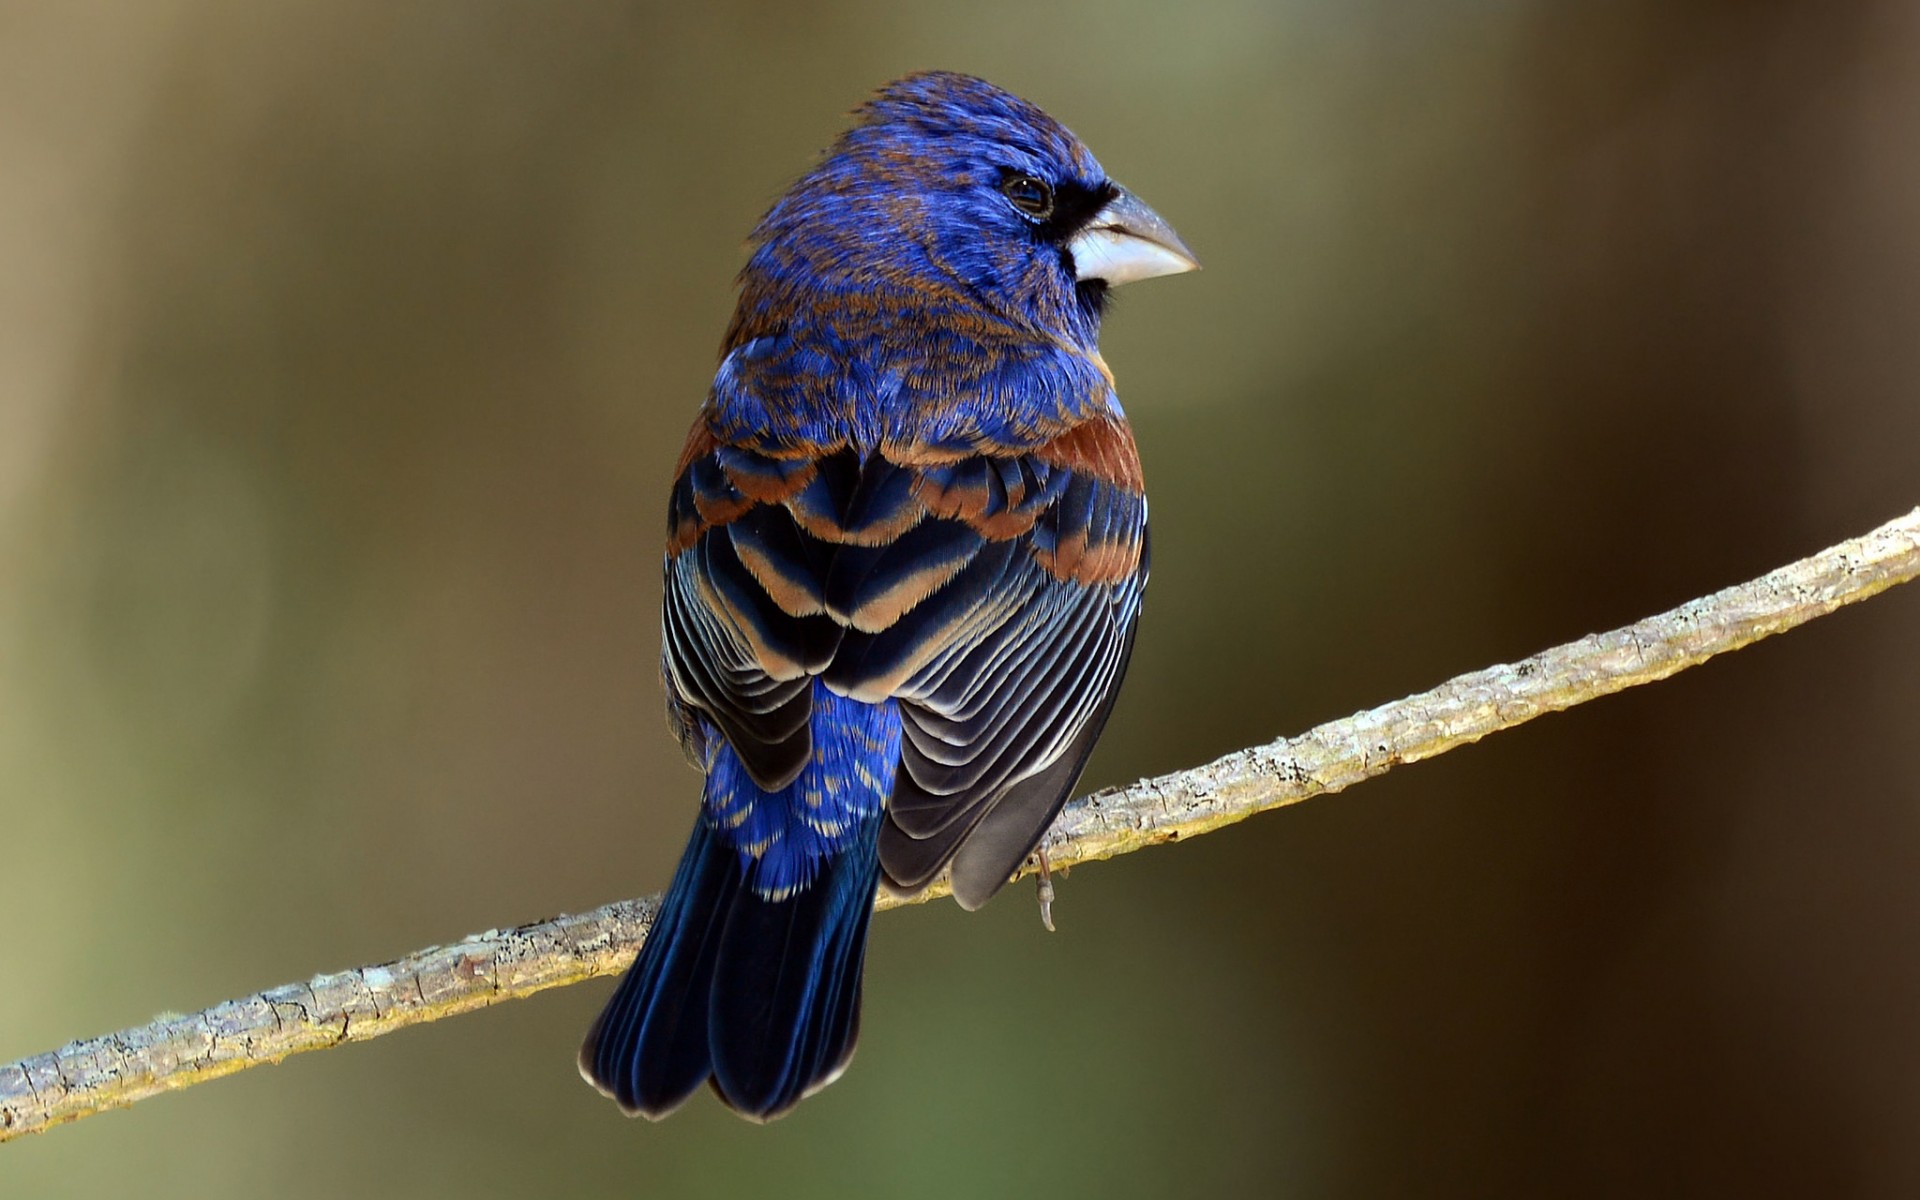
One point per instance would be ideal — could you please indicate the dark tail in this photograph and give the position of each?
(760, 996)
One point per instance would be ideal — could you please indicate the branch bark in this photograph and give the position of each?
(90, 1076)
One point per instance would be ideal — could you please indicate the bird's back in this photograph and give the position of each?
(964, 549)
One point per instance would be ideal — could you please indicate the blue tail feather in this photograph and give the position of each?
(763, 996)
(785, 1004)
(751, 975)
(648, 1051)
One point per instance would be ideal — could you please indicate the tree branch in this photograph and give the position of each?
(173, 1052)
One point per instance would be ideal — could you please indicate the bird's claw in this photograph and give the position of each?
(1045, 892)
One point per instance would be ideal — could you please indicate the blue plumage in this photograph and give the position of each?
(906, 548)
(784, 837)
(752, 973)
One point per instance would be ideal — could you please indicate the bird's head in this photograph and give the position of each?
(951, 190)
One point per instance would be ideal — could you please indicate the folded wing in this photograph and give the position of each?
(992, 595)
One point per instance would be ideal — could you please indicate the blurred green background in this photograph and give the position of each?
(344, 351)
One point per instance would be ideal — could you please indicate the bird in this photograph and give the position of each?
(906, 546)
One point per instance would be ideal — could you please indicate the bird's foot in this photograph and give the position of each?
(1045, 891)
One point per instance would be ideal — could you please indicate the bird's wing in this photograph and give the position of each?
(743, 625)
(991, 593)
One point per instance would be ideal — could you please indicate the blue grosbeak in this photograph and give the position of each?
(906, 547)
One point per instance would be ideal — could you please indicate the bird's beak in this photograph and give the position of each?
(1126, 241)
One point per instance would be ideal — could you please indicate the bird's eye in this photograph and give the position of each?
(1031, 196)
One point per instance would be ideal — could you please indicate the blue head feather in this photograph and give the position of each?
(896, 294)
(908, 205)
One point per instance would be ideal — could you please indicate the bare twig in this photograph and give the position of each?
(173, 1052)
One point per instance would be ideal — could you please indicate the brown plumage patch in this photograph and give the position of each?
(1099, 449)
(795, 595)
(1076, 560)
(686, 531)
(912, 452)
(720, 510)
(968, 502)
(768, 488)
(700, 443)
(750, 488)
(903, 597)
(828, 528)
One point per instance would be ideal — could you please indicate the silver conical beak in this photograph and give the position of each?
(1126, 241)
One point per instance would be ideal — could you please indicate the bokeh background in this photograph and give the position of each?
(344, 351)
